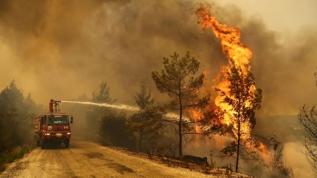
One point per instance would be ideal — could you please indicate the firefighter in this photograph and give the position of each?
(51, 106)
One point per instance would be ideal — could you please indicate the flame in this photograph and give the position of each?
(264, 153)
(229, 37)
(239, 57)
(196, 115)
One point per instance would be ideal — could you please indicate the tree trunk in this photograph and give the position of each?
(238, 145)
(140, 140)
(180, 133)
(180, 124)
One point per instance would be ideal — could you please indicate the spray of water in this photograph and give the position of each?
(113, 106)
(117, 106)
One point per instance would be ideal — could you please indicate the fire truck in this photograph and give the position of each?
(53, 127)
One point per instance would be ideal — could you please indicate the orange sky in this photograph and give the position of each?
(286, 16)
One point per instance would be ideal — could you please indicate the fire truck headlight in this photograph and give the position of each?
(47, 134)
(49, 127)
(68, 133)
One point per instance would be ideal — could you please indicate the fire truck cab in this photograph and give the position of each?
(53, 127)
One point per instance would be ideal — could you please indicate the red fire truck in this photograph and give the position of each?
(53, 127)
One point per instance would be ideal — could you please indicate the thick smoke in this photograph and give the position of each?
(63, 49)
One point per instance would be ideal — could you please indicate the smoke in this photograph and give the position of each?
(64, 49)
(295, 158)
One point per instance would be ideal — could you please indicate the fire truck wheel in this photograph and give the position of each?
(66, 143)
(43, 144)
(36, 141)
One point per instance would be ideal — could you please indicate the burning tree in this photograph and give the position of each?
(241, 104)
(238, 97)
(179, 80)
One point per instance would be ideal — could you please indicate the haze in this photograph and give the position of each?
(284, 16)
(64, 49)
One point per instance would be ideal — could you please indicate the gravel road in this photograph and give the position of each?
(87, 159)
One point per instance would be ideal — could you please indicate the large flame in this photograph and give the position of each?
(239, 56)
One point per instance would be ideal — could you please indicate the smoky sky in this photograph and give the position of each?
(64, 49)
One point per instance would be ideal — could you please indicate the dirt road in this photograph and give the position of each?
(86, 159)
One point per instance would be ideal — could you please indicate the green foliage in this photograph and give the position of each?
(115, 131)
(146, 123)
(95, 115)
(179, 80)
(144, 98)
(103, 94)
(111, 126)
(16, 114)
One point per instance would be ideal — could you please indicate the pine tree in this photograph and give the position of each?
(148, 121)
(179, 80)
(308, 119)
(241, 92)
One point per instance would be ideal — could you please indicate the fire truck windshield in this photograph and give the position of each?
(57, 120)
